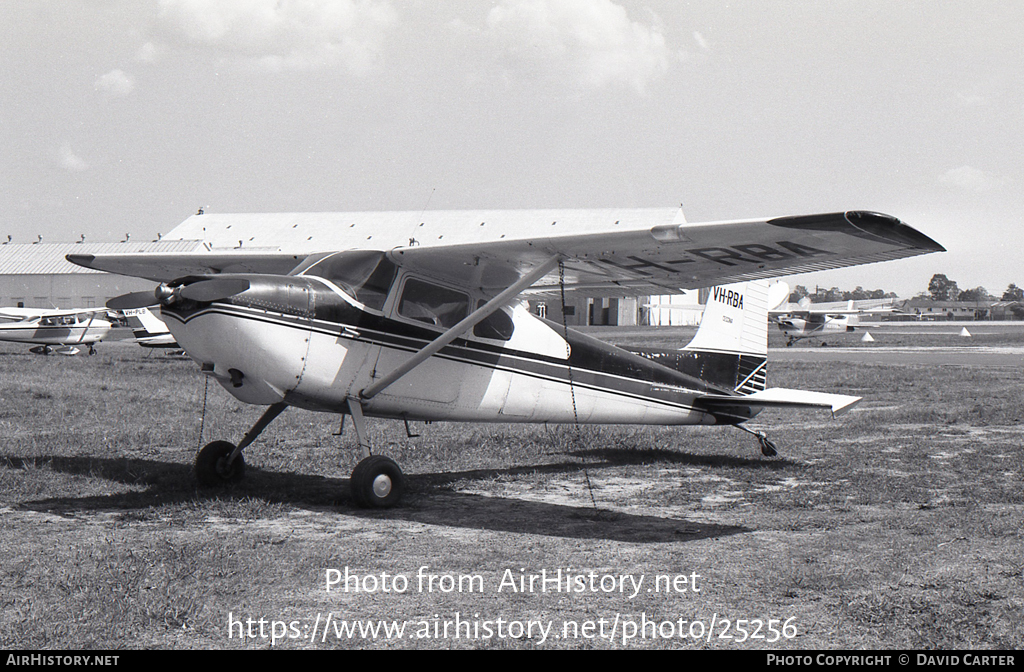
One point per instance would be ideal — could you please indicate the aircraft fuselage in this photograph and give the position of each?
(301, 341)
(50, 331)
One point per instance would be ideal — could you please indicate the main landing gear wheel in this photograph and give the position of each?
(377, 482)
(213, 468)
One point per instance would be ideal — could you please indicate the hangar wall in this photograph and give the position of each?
(38, 276)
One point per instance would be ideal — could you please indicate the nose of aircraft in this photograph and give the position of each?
(251, 334)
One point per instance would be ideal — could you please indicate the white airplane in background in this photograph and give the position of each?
(148, 329)
(54, 330)
(417, 316)
(810, 320)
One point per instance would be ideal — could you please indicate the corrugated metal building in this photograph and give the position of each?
(38, 276)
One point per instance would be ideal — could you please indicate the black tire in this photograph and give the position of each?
(377, 482)
(768, 447)
(212, 468)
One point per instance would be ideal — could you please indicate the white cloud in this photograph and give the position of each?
(971, 99)
(279, 35)
(147, 53)
(593, 41)
(71, 161)
(116, 83)
(972, 179)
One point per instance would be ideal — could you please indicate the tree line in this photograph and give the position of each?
(941, 288)
(822, 295)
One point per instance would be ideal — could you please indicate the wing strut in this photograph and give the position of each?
(468, 323)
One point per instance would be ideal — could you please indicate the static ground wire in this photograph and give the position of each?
(572, 389)
(202, 416)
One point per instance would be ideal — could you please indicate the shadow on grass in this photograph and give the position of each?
(620, 456)
(430, 498)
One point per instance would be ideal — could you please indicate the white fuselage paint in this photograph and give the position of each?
(31, 331)
(320, 365)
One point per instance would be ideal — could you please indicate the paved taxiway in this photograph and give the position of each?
(911, 343)
(931, 343)
(890, 355)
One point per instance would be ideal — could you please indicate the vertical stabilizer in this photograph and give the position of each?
(735, 320)
(729, 352)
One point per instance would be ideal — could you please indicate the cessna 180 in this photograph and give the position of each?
(54, 330)
(415, 316)
(809, 320)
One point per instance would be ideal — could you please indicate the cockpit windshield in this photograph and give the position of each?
(365, 275)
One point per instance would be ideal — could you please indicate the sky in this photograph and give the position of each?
(126, 116)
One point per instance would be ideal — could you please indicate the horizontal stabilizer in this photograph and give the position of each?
(779, 397)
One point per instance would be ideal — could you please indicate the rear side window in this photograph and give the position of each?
(435, 305)
(498, 325)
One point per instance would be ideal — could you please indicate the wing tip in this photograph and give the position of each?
(85, 260)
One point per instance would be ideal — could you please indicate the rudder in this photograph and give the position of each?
(733, 335)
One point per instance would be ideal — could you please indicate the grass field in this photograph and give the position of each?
(898, 525)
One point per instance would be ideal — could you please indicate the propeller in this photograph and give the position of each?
(133, 300)
(203, 291)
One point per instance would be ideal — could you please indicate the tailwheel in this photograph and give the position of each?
(214, 466)
(377, 482)
(768, 449)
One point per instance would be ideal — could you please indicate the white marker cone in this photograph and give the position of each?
(965, 333)
(866, 338)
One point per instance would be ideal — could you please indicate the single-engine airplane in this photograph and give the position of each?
(415, 316)
(149, 330)
(54, 330)
(809, 320)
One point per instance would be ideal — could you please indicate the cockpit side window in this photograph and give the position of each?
(365, 275)
(426, 302)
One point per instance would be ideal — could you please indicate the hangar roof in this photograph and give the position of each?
(48, 258)
(306, 232)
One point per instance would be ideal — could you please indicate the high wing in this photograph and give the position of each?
(805, 309)
(34, 313)
(809, 316)
(164, 267)
(604, 252)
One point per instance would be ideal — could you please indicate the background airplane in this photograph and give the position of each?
(809, 320)
(54, 330)
(149, 330)
(430, 326)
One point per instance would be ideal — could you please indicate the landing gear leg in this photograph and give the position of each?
(377, 481)
(768, 448)
(221, 463)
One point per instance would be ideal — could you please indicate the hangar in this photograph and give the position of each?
(36, 275)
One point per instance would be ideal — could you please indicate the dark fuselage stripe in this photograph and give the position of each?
(537, 367)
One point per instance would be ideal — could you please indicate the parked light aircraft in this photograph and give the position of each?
(809, 320)
(415, 316)
(54, 330)
(148, 329)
